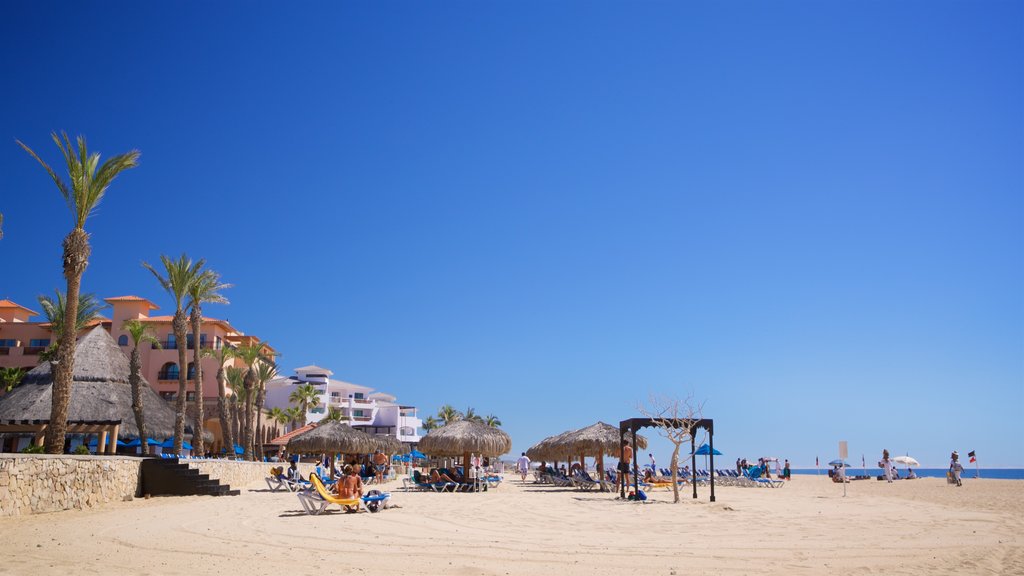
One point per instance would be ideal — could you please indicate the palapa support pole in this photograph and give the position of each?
(112, 447)
(711, 449)
(636, 479)
(101, 444)
(693, 465)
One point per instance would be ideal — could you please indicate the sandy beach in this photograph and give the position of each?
(807, 527)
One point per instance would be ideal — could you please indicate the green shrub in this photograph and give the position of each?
(81, 449)
(32, 449)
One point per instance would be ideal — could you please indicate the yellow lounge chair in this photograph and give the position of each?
(318, 499)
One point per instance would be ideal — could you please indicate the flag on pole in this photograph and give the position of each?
(815, 461)
(863, 463)
(971, 455)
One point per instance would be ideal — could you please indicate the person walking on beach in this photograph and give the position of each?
(785, 470)
(955, 468)
(523, 465)
(627, 457)
(887, 466)
(654, 465)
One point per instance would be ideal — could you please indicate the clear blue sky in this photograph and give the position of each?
(807, 214)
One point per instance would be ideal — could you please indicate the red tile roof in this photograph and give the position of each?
(131, 299)
(9, 304)
(283, 439)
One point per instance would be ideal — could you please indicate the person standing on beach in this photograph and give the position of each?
(627, 457)
(887, 466)
(380, 464)
(654, 466)
(523, 465)
(955, 468)
(785, 470)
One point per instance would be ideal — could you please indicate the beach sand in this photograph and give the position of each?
(807, 527)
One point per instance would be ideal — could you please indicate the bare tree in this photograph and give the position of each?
(674, 417)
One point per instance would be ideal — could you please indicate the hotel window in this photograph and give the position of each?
(191, 374)
(168, 395)
(359, 396)
(8, 343)
(168, 371)
(216, 342)
(39, 342)
(190, 396)
(122, 340)
(357, 412)
(172, 342)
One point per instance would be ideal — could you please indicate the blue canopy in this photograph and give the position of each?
(169, 443)
(137, 442)
(94, 441)
(239, 449)
(705, 450)
(400, 458)
(417, 454)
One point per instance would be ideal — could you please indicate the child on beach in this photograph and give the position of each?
(955, 468)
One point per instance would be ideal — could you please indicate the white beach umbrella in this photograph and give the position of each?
(906, 461)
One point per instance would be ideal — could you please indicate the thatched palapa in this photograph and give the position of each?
(550, 448)
(331, 438)
(99, 392)
(598, 439)
(465, 437)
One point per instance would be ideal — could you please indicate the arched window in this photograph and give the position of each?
(122, 340)
(191, 374)
(168, 371)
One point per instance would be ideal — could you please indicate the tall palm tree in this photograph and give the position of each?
(250, 354)
(492, 420)
(223, 355)
(430, 423)
(89, 308)
(205, 289)
(279, 416)
(265, 371)
(448, 414)
(86, 187)
(307, 397)
(295, 415)
(181, 274)
(139, 333)
(236, 378)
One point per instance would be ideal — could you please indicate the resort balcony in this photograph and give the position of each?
(169, 345)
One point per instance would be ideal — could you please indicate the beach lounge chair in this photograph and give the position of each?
(278, 480)
(422, 483)
(319, 498)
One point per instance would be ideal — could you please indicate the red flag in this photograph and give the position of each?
(973, 459)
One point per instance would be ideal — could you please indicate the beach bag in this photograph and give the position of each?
(640, 495)
(373, 505)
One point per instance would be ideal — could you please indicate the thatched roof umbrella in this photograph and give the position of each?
(598, 439)
(99, 391)
(463, 438)
(549, 448)
(331, 438)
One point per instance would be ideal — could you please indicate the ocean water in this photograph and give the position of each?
(968, 473)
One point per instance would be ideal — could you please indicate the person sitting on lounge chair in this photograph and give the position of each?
(351, 485)
(910, 474)
(293, 470)
(436, 477)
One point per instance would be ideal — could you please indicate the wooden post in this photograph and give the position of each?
(112, 449)
(101, 444)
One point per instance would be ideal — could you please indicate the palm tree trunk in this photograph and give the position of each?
(76, 258)
(198, 442)
(135, 380)
(236, 429)
(224, 412)
(250, 377)
(179, 325)
(260, 397)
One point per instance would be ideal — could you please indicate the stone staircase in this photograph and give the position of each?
(169, 477)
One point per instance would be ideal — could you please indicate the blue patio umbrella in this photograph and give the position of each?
(239, 450)
(706, 450)
(94, 441)
(839, 463)
(135, 443)
(169, 443)
(417, 454)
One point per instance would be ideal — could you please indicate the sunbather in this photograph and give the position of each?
(436, 477)
(351, 486)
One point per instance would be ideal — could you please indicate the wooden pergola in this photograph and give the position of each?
(106, 429)
(631, 425)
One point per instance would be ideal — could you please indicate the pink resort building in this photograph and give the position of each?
(22, 341)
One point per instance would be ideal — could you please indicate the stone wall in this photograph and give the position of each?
(240, 475)
(36, 483)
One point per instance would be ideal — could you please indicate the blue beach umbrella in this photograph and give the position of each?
(239, 450)
(136, 442)
(417, 454)
(169, 443)
(837, 462)
(94, 441)
(706, 450)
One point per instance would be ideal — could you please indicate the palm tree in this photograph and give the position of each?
(236, 378)
(448, 414)
(139, 332)
(89, 181)
(181, 274)
(307, 397)
(295, 415)
(279, 416)
(492, 420)
(11, 377)
(223, 355)
(89, 308)
(264, 372)
(334, 415)
(205, 289)
(472, 416)
(430, 423)
(250, 354)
